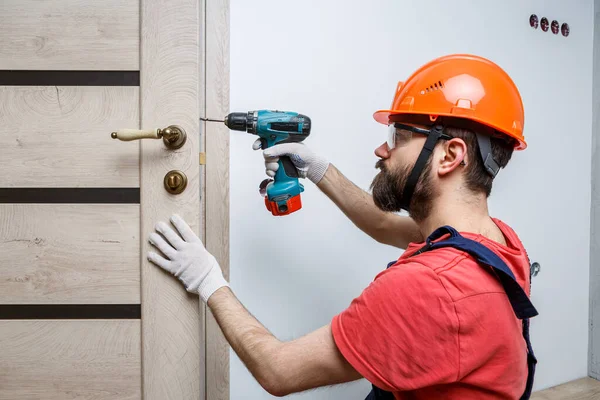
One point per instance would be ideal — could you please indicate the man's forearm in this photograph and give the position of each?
(359, 206)
(251, 341)
(281, 368)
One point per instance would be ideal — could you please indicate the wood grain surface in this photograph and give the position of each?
(68, 360)
(580, 389)
(60, 136)
(69, 254)
(69, 35)
(172, 323)
(217, 183)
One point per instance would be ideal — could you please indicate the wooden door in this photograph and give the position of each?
(83, 314)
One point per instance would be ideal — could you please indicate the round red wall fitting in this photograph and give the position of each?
(565, 29)
(533, 21)
(555, 27)
(544, 24)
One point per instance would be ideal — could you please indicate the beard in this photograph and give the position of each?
(388, 190)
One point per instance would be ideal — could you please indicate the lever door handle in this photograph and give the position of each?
(173, 136)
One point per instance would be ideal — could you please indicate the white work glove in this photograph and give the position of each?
(308, 164)
(187, 258)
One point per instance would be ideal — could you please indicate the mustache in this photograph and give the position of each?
(380, 165)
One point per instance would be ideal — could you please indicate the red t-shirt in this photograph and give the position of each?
(439, 326)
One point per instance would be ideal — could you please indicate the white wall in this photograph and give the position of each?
(338, 62)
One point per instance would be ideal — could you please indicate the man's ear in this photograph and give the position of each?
(454, 153)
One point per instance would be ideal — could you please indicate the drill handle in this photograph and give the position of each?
(283, 194)
(286, 169)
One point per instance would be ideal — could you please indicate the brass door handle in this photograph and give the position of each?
(173, 136)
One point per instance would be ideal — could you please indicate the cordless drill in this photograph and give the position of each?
(282, 195)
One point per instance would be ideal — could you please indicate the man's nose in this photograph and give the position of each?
(383, 151)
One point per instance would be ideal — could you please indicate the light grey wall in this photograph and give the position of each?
(594, 346)
(338, 62)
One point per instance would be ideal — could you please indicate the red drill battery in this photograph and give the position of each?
(291, 205)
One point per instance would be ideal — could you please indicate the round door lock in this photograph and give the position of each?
(175, 182)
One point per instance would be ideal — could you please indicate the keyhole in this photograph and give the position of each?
(175, 182)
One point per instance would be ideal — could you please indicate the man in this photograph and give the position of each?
(435, 324)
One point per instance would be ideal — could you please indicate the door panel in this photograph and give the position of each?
(83, 313)
(57, 136)
(69, 254)
(69, 35)
(100, 360)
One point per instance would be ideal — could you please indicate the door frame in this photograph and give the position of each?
(214, 83)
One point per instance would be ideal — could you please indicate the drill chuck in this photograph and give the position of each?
(240, 121)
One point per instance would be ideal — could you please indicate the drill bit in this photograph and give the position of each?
(211, 120)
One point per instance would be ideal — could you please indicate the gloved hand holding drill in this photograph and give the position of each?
(308, 164)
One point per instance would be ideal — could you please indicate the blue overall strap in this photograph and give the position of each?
(379, 394)
(516, 295)
(531, 361)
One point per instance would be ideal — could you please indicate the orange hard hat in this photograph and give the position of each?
(462, 86)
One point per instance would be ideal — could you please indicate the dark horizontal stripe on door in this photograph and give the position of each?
(70, 195)
(69, 78)
(70, 311)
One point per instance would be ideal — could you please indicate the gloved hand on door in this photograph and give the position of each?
(187, 258)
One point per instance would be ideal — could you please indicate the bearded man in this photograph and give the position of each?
(449, 319)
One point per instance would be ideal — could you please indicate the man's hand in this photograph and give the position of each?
(187, 258)
(308, 164)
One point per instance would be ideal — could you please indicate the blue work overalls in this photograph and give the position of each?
(518, 298)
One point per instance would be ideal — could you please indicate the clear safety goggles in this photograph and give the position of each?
(400, 134)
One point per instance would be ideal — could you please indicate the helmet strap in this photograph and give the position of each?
(432, 138)
(485, 148)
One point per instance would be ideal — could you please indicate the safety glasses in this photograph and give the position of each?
(400, 134)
